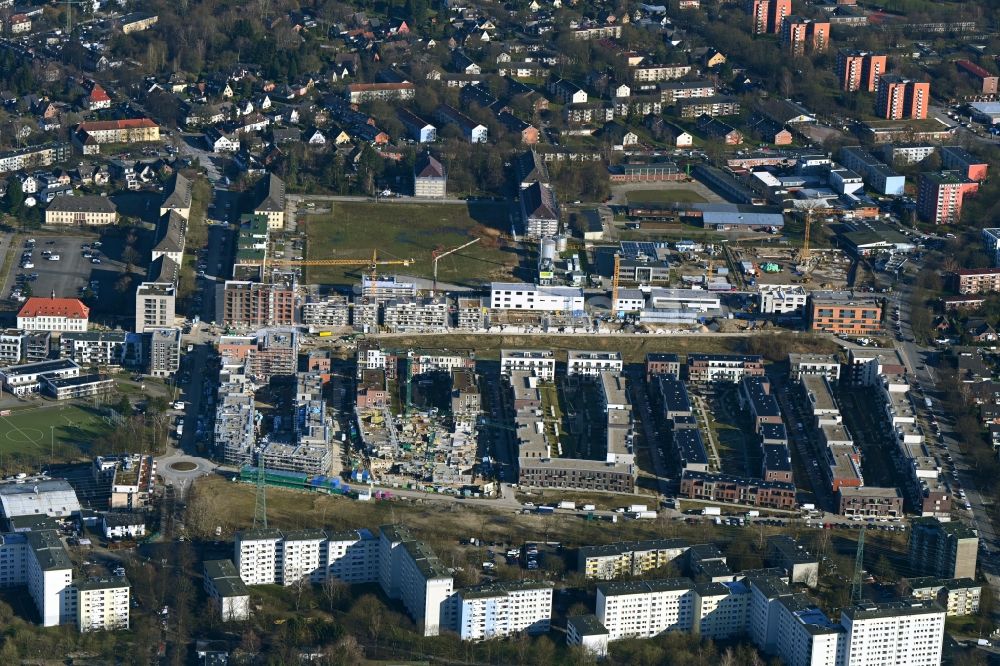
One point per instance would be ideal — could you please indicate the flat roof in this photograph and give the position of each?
(868, 611)
(225, 578)
(587, 625)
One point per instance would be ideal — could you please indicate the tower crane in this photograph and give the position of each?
(614, 280)
(437, 254)
(374, 263)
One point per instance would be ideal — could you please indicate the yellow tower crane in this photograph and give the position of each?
(614, 281)
(374, 263)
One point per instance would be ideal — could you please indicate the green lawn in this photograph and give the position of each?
(665, 196)
(31, 432)
(411, 231)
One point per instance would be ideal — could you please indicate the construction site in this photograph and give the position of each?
(420, 427)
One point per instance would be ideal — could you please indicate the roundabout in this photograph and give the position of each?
(184, 466)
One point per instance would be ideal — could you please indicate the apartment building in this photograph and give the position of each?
(226, 590)
(164, 349)
(956, 158)
(27, 378)
(941, 194)
(768, 16)
(644, 609)
(782, 298)
(825, 365)
(155, 304)
(470, 315)
(592, 363)
(89, 136)
(986, 81)
(628, 558)
(234, 431)
(81, 210)
(845, 317)
(12, 346)
(539, 211)
(33, 157)
(269, 200)
(899, 98)
(331, 310)
(503, 609)
(257, 305)
(860, 70)
(649, 72)
(366, 92)
(420, 314)
(958, 596)
(703, 368)
(410, 572)
(539, 363)
(977, 280)
(897, 633)
(662, 364)
(708, 487)
(429, 178)
(869, 502)
(39, 560)
(472, 131)
(800, 565)
(587, 632)
(801, 35)
(527, 296)
(673, 91)
(876, 174)
(102, 604)
(943, 549)
(95, 348)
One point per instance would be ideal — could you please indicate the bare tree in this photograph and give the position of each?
(334, 590)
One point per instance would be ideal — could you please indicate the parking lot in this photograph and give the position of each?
(64, 276)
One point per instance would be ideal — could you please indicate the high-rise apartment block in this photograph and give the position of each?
(768, 15)
(941, 194)
(405, 568)
(943, 549)
(898, 98)
(801, 35)
(860, 70)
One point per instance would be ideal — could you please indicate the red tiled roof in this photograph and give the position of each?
(973, 69)
(98, 125)
(54, 307)
(97, 94)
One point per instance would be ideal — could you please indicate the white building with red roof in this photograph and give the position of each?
(53, 314)
(98, 98)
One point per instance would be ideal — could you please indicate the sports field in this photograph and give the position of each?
(411, 231)
(65, 431)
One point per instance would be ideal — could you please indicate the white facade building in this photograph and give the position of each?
(405, 568)
(527, 296)
(502, 610)
(592, 363)
(644, 609)
(39, 560)
(102, 604)
(227, 590)
(782, 298)
(909, 633)
(540, 363)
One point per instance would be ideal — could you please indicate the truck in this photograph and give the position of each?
(180, 430)
(637, 508)
(808, 507)
(644, 515)
(711, 511)
(588, 507)
(753, 513)
(545, 509)
(567, 505)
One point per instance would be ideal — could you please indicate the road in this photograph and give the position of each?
(917, 360)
